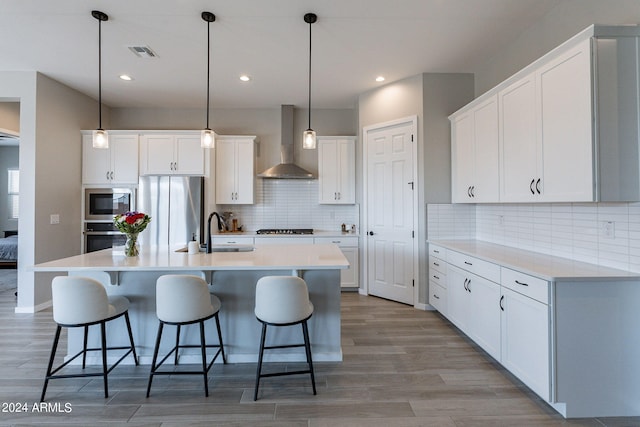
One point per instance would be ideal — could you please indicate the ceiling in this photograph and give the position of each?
(353, 42)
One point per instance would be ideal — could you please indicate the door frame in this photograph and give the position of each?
(417, 188)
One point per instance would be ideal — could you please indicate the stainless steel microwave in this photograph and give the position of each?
(105, 203)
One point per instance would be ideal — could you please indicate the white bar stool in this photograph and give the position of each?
(283, 301)
(183, 300)
(82, 302)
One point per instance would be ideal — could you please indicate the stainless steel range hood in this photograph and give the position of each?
(286, 169)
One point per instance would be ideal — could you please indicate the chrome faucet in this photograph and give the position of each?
(209, 246)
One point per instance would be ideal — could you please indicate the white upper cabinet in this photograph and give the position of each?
(171, 154)
(235, 170)
(474, 146)
(518, 141)
(546, 135)
(117, 165)
(336, 170)
(568, 126)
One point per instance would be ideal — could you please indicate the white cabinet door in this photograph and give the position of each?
(245, 171)
(188, 155)
(475, 154)
(116, 165)
(457, 297)
(565, 111)
(124, 159)
(336, 170)
(171, 154)
(349, 277)
(235, 170)
(96, 163)
(519, 148)
(486, 183)
(463, 155)
(484, 326)
(157, 155)
(525, 340)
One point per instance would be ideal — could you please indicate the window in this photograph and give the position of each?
(13, 190)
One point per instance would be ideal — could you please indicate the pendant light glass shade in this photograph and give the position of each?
(100, 136)
(207, 136)
(309, 139)
(309, 135)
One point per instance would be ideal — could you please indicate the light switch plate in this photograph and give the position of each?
(54, 219)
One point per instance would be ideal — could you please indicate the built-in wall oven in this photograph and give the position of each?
(100, 206)
(102, 235)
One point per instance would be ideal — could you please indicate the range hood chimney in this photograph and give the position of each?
(286, 169)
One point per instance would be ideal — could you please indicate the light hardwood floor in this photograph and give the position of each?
(402, 367)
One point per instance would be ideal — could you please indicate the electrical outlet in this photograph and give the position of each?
(609, 229)
(501, 220)
(54, 219)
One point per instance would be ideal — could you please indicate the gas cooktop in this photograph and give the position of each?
(285, 231)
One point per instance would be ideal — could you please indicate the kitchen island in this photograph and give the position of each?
(232, 277)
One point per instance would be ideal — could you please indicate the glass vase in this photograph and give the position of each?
(132, 247)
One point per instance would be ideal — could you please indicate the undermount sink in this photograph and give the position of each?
(223, 248)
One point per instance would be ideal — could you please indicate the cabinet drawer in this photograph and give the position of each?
(438, 297)
(437, 264)
(284, 240)
(438, 277)
(350, 241)
(231, 240)
(437, 251)
(477, 266)
(533, 287)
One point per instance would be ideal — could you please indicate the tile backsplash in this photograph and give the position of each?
(600, 233)
(292, 203)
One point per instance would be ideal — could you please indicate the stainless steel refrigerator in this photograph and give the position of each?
(176, 207)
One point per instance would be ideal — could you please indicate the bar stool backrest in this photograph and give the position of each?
(282, 299)
(182, 298)
(79, 300)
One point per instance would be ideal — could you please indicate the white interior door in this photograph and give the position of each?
(390, 216)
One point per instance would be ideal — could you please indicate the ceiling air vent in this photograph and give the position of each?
(143, 51)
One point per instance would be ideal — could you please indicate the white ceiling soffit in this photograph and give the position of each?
(353, 42)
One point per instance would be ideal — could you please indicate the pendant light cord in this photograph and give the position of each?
(99, 73)
(310, 75)
(208, 66)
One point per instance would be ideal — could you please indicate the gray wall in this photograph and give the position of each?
(51, 117)
(564, 21)
(432, 98)
(10, 116)
(8, 160)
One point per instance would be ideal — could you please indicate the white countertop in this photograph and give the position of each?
(268, 257)
(547, 267)
(316, 233)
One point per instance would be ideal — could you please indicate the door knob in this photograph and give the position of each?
(371, 233)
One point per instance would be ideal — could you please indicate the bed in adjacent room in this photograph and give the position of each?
(9, 250)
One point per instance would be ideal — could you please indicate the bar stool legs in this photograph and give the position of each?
(307, 349)
(184, 300)
(283, 301)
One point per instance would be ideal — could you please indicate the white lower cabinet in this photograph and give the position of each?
(349, 247)
(525, 340)
(473, 306)
(231, 240)
(510, 320)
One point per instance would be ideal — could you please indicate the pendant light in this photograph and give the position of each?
(309, 135)
(207, 136)
(100, 136)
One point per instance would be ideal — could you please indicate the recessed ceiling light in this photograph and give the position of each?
(245, 78)
(379, 79)
(126, 77)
